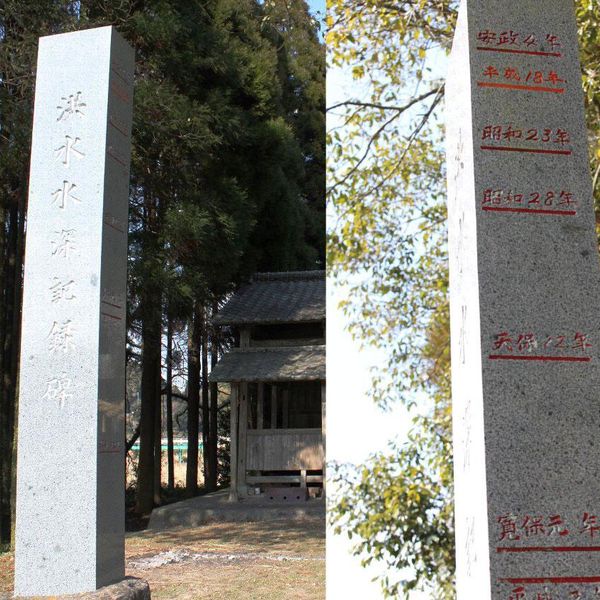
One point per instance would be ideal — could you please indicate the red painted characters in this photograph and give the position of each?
(541, 201)
(527, 345)
(519, 42)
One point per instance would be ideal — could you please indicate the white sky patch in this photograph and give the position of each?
(356, 428)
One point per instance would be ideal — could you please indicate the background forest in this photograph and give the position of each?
(387, 245)
(227, 178)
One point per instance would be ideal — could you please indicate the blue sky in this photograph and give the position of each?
(351, 434)
(317, 5)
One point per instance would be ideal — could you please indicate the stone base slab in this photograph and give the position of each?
(130, 588)
(216, 507)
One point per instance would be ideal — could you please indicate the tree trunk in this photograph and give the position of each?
(5, 397)
(16, 349)
(8, 389)
(150, 304)
(211, 483)
(158, 434)
(169, 400)
(150, 359)
(5, 448)
(206, 441)
(194, 328)
(10, 325)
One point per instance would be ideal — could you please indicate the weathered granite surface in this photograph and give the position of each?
(131, 588)
(70, 475)
(525, 297)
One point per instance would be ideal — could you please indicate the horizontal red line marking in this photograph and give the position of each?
(109, 451)
(119, 92)
(542, 358)
(111, 316)
(541, 211)
(117, 72)
(529, 88)
(117, 158)
(118, 127)
(510, 51)
(533, 150)
(114, 227)
(110, 304)
(550, 549)
(550, 579)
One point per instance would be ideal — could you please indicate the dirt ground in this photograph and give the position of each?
(233, 561)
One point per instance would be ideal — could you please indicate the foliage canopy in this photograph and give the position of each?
(227, 168)
(387, 244)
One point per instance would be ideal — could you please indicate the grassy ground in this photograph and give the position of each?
(237, 561)
(7, 565)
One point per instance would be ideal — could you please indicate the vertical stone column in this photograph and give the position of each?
(525, 306)
(242, 488)
(235, 394)
(70, 470)
(324, 432)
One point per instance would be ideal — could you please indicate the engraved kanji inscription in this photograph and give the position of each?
(526, 345)
(519, 42)
(508, 527)
(71, 105)
(68, 149)
(62, 196)
(514, 77)
(61, 290)
(550, 527)
(63, 243)
(58, 389)
(508, 133)
(60, 338)
(542, 201)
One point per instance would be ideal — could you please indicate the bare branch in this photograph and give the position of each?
(375, 136)
(412, 102)
(439, 92)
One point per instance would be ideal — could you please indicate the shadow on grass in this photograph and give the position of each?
(267, 534)
(136, 522)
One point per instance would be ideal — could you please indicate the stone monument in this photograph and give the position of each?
(525, 306)
(70, 477)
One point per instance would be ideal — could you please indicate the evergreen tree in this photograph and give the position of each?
(20, 26)
(301, 57)
(219, 177)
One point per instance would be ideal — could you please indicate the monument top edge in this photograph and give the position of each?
(104, 30)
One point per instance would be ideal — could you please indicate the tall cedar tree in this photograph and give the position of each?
(20, 25)
(221, 182)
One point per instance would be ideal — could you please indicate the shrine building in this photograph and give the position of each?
(277, 376)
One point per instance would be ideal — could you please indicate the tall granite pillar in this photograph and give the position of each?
(525, 306)
(70, 462)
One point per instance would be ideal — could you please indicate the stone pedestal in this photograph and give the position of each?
(130, 588)
(70, 470)
(525, 298)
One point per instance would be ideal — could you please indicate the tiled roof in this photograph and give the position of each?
(288, 297)
(298, 363)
